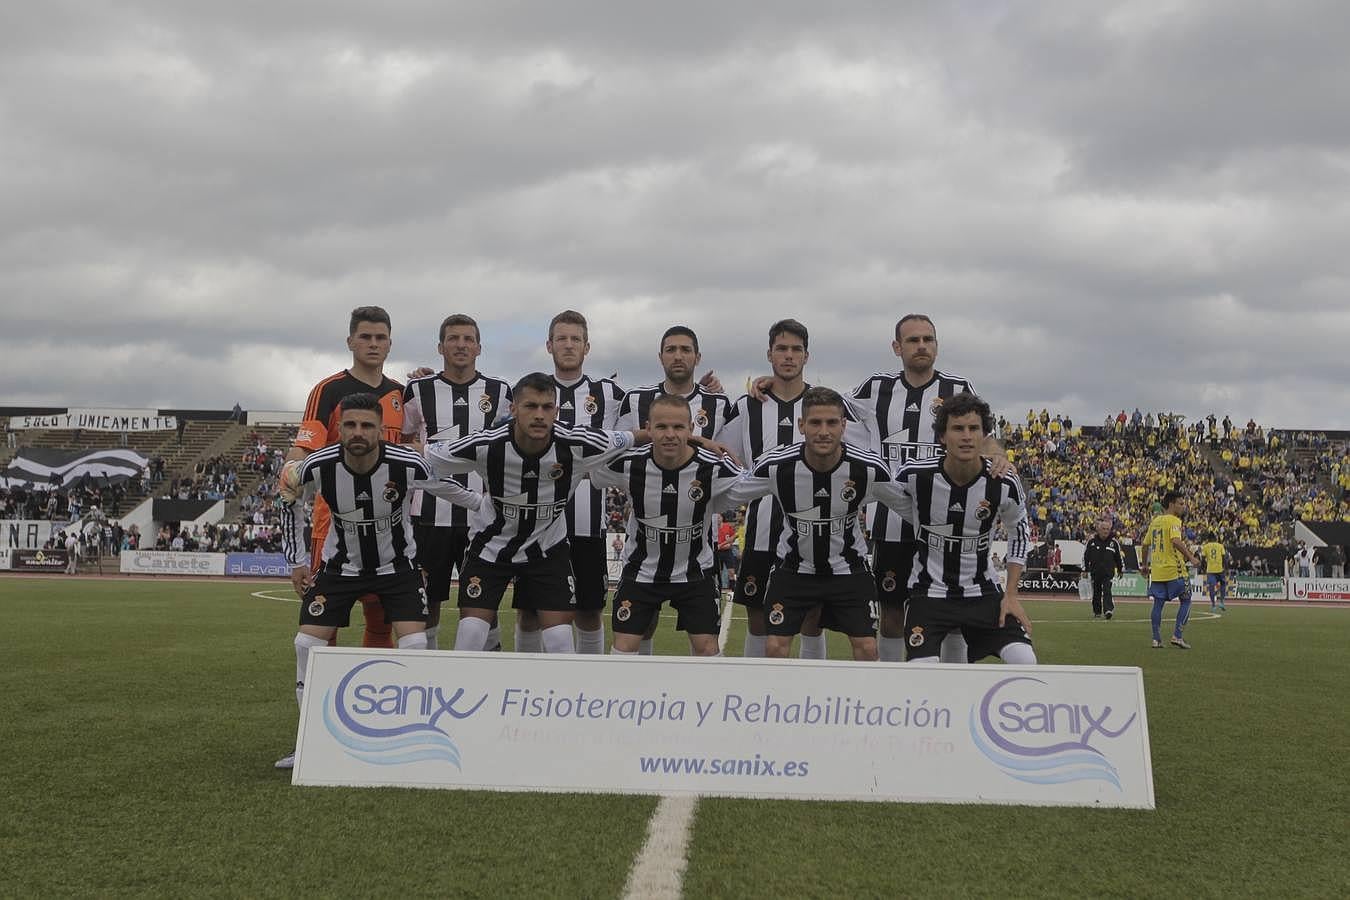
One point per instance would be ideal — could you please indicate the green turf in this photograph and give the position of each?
(140, 722)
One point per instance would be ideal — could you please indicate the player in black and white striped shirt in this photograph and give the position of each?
(757, 427)
(369, 548)
(453, 403)
(709, 410)
(952, 502)
(592, 402)
(822, 485)
(668, 557)
(898, 410)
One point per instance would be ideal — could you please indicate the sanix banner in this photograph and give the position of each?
(1036, 735)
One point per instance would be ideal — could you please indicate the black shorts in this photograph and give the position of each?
(695, 602)
(928, 620)
(544, 584)
(440, 553)
(330, 600)
(848, 602)
(892, 563)
(590, 567)
(753, 576)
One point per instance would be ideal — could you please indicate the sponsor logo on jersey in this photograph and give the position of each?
(668, 489)
(956, 507)
(363, 496)
(913, 407)
(822, 493)
(785, 421)
(460, 401)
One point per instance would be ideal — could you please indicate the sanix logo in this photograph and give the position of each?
(391, 722)
(1041, 741)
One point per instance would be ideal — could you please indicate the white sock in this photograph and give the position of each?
(592, 642)
(303, 644)
(615, 651)
(1018, 654)
(529, 641)
(754, 646)
(494, 638)
(954, 648)
(891, 649)
(471, 633)
(431, 637)
(415, 641)
(812, 646)
(645, 646)
(558, 639)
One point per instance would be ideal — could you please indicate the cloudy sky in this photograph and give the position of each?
(1102, 206)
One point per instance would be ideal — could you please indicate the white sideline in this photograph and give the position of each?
(658, 871)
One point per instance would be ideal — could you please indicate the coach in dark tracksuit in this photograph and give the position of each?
(1103, 561)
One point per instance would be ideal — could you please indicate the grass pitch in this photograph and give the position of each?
(140, 722)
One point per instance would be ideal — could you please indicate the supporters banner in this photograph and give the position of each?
(98, 420)
(1332, 589)
(257, 565)
(167, 562)
(1256, 587)
(26, 534)
(39, 560)
(38, 465)
(829, 730)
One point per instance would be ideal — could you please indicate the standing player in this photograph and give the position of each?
(951, 502)
(594, 403)
(369, 340)
(1164, 550)
(1103, 560)
(368, 549)
(1216, 572)
(531, 466)
(899, 411)
(762, 421)
(679, 356)
(447, 406)
(821, 484)
(668, 556)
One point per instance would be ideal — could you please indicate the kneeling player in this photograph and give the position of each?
(821, 484)
(952, 502)
(369, 549)
(668, 556)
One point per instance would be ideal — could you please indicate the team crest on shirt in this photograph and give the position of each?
(935, 406)
(776, 614)
(701, 420)
(696, 490)
(395, 404)
(316, 607)
(751, 588)
(984, 510)
(849, 493)
(624, 611)
(391, 492)
(591, 405)
(485, 404)
(916, 637)
(474, 588)
(888, 581)
(555, 471)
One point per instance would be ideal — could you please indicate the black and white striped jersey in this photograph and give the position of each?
(822, 534)
(955, 527)
(709, 412)
(755, 428)
(899, 420)
(522, 516)
(437, 409)
(371, 531)
(592, 402)
(669, 528)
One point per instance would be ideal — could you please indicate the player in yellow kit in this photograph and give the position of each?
(1216, 572)
(1164, 550)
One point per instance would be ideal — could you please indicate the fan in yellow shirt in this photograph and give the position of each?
(1164, 550)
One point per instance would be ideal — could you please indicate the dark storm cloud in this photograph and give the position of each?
(1141, 205)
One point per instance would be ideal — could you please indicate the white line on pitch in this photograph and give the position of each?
(658, 871)
(267, 595)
